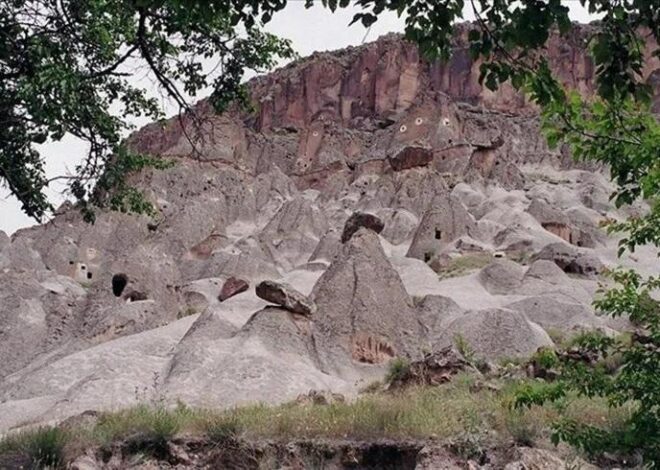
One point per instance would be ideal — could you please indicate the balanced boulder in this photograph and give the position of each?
(359, 220)
(286, 297)
(501, 277)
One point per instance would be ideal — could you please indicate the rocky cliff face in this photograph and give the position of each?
(477, 227)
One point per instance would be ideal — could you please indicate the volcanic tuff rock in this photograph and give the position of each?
(454, 172)
(232, 286)
(285, 296)
(358, 220)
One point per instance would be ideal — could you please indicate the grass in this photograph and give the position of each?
(43, 447)
(186, 313)
(463, 415)
(465, 264)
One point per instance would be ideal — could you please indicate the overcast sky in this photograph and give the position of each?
(309, 30)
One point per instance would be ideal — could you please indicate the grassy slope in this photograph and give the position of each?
(461, 412)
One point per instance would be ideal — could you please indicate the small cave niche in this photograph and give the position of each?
(119, 282)
(89, 275)
(438, 234)
(427, 256)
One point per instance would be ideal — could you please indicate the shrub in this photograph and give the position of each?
(462, 265)
(397, 370)
(164, 424)
(469, 446)
(186, 313)
(523, 426)
(545, 358)
(464, 347)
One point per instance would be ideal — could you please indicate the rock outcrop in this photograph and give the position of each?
(360, 171)
(365, 316)
(497, 333)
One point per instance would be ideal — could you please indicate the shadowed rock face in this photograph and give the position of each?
(358, 220)
(232, 286)
(443, 173)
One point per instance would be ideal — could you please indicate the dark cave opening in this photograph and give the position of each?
(119, 282)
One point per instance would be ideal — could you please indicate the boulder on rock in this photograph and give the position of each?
(286, 297)
(551, 218)
(546, 214)
(434, 313)
(358, 220)
(561, 253)
(410, 157)
(232, 286)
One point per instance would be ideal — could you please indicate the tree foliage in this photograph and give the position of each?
(69, 66)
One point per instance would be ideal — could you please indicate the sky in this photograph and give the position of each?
(309, 30)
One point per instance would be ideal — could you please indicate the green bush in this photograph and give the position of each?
(545, 358)
(523, 426)
(397, 370)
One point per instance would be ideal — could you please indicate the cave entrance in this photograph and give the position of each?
(119, 282)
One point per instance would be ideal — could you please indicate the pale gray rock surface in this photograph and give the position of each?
(497, 333)
(435, 313)
(502, 276)
(267, 198)
(549, 312)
